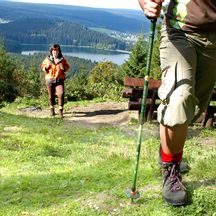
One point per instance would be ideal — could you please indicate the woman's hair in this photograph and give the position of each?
(56, 47)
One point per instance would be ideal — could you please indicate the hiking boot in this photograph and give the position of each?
(61, 113)
(173, 190)
(52, 112)
(184, 167)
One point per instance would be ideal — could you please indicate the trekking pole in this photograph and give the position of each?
(133, 193)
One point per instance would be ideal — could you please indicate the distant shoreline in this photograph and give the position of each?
(89, 47)
(95, 55)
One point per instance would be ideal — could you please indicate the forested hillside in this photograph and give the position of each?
(118, 20)
(30, 23)
(40, 31)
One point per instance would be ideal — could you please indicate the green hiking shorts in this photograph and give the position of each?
(188, 75)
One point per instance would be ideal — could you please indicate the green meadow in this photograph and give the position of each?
(50, 166)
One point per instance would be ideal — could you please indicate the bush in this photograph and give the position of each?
(75, 87)
(104, 81)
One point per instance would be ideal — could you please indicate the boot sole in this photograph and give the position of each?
(176, 203)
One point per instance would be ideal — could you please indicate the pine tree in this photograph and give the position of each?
(8, 89)
(135, 65)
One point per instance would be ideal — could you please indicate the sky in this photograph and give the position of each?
(124, 4)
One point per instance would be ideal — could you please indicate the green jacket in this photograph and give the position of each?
(192, 15)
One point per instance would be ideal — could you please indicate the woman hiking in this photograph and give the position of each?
(55, 66)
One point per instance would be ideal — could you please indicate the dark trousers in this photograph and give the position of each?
(56, 89)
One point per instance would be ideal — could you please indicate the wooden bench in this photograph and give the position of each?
(134, 91)
(208, 117)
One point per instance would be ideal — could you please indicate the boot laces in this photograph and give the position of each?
(175, 179)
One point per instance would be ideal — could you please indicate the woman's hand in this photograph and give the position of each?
(61, 67)
(151, 8)
(47, 67)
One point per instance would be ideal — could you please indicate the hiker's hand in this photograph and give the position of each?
(61, 67)
(47, 67)
(151, 8)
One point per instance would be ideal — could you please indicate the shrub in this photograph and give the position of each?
(104, 80)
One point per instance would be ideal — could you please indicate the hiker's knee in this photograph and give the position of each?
(178, 109)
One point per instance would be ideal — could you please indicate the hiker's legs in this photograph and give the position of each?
(173, 138)
(175, 113)
(60, 95)
(177, 91)
(172, 143)
(188, 69)
(51, 97)
(51, 94)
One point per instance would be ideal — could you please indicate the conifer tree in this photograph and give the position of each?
(135, 65)
(8, 89)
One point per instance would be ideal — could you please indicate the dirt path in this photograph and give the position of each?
(101, 114)
(93, 115)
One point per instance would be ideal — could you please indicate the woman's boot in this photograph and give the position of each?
(61, 113)
(52, 111)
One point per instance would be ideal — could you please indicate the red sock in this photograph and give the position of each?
(171, 157)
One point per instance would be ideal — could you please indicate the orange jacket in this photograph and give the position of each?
(55, 70)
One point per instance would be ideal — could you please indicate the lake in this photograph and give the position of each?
(117, 57)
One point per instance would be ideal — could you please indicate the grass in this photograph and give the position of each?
(49, 166)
